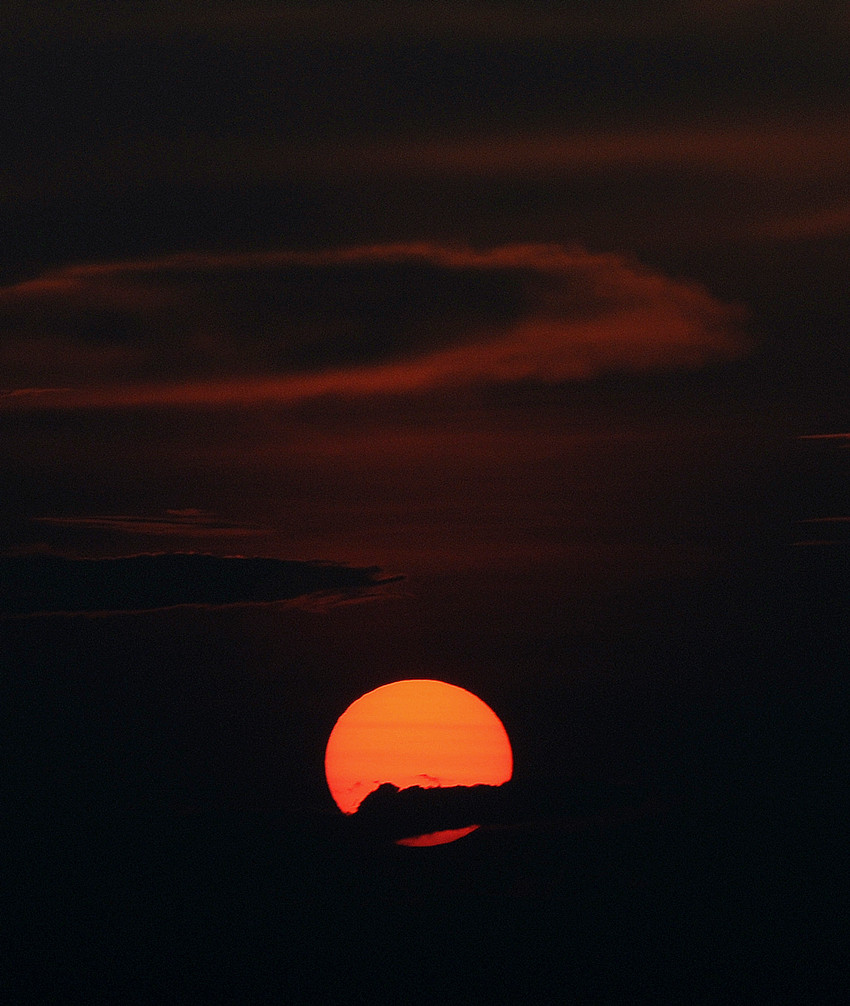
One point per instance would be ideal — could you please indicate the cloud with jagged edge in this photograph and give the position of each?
(46, 583)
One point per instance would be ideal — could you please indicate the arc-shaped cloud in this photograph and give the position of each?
(379, 319)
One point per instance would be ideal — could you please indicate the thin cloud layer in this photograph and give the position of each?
(824, 222)
(182, 523)
(383, 319)
(774, 148)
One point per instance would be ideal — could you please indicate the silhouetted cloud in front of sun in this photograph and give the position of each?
(392, 813)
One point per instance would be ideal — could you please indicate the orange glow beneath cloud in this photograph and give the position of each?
(416, 732)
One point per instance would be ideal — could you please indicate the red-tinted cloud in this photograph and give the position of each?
(776, 148)
(830, 221)
(384, 319)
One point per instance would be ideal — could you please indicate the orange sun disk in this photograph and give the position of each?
(417, 732)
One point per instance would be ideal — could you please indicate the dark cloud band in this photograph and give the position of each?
(45, 583)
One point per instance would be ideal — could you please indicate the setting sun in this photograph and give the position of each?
(417, 732)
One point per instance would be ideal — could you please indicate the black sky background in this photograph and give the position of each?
(235, 236)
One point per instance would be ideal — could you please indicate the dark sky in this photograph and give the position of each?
(519, 309)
